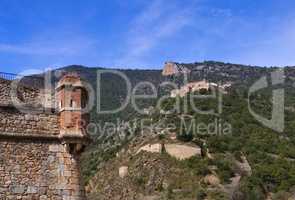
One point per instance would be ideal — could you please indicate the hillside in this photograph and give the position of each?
(113, 87)
(269, 154)
(253, 162)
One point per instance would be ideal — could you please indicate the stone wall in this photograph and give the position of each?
(153, 148)
(24, 94)
(38, 170)
(182, 152)
(13, 121)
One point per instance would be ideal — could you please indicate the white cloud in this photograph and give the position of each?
(157, 22)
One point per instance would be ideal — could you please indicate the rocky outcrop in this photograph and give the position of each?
(123, 171)
(172, 68)
(212, 180)
(244, 166)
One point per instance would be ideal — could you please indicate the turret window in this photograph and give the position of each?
(84, 99)
(73, 104)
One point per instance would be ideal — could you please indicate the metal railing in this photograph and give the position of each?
(29, 81)
(8, 76)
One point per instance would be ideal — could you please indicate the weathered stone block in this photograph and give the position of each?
(32, 190)
(17, 189)
(36, 168)
(123, 171)
(43, 197)
(54, 148)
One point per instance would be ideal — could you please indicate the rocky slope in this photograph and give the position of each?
(158, 167)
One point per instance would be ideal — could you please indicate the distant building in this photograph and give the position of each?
(196, 86)
(190, 87)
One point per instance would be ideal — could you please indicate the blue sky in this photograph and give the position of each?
(38, 34)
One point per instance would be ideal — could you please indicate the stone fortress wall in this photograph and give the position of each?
(38, 170)
(39, 152)
(16, 122)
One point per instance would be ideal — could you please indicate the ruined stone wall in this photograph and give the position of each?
(38, 170)
(153, 148)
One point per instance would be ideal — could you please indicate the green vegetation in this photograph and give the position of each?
(269, 153)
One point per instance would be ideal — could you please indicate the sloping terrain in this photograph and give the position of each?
(152, 175)
(226, 159)
(251, 162)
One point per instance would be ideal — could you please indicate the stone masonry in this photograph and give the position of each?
(39, 155)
